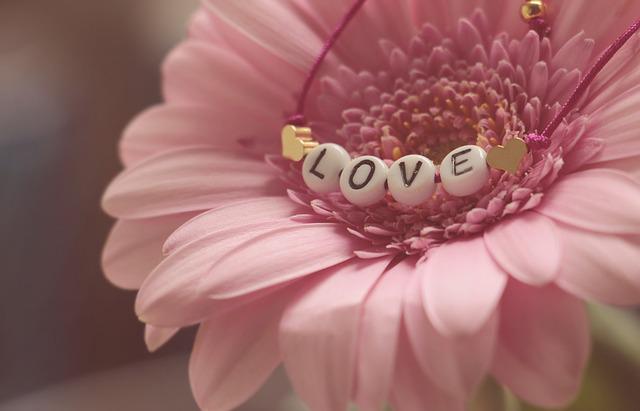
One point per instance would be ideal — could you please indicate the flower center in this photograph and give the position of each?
(439, 94)
(432, 115)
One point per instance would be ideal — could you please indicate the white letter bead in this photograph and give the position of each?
(412, 180)
(321, 169)
(464, 171)
(363, 180)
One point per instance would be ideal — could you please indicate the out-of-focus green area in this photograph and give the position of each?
(612, 379)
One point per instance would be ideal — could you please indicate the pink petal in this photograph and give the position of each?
(263, 33)
(202, 26)
(168, 127)
(600, 268)
(529, 53)
(392, 19)
(156, 337)
(526, 246)
(601, 200)
(574, 54)
(461, 287)
(629, 166)
(276, 26)
(543, 345)
(279, 256)
(319, 334)
(134, 248)
(455, 364)
(172, 295)
(379, 328)
(413, 390)
(395, 19)
(596, 18)
(561, 85)
(445, 14)
(215, 30)
(539, 80)
(438, 12)
(198, 73)
(585, 153)
(232, 218)
(497, 53)
(234, 354)
(190, 179)
(616, 123)
(618, 80)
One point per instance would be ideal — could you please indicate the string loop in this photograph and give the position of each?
(298, 119)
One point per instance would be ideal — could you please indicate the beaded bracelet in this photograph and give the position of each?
(364, 180)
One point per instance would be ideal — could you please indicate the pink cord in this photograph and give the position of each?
(544, 139)
(298, 118)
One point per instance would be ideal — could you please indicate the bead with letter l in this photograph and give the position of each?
(322, 167)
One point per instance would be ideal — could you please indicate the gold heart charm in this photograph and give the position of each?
(509, 157)
(296, 142)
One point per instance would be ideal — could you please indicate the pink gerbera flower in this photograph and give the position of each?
(388, 304)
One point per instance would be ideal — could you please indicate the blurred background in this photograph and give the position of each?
(72, 73)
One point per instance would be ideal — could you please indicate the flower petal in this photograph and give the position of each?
(455, 364)
(168, 127)
(412, 388)
(526, 246)
(234, 354)
(210, 28)
(629, 166)
(379, 328)
(595, 17)
(190, 179)
(279, 256)
(601, 200)
(171, 296)
(134, 248)
(616, 123)
(395, 20)
(543, 345)
(156, 337)
(319, 333)
(266, 31)
(618, 80)
(575, 53)
(600, 267)
(232, 218)
(202, 26)
(392, 19)
(446, 13)
(198, 73)
(278, 27)
(461, 287)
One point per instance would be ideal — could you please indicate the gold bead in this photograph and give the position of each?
(533, 9)
(297, 142)
(396, 153)
(508, 157)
